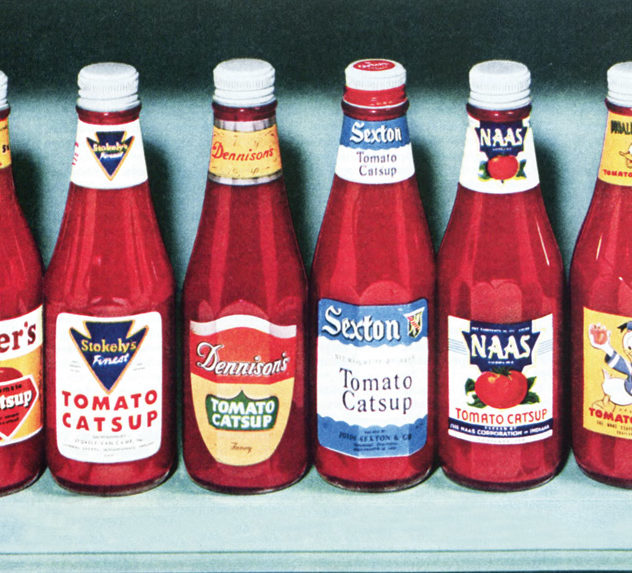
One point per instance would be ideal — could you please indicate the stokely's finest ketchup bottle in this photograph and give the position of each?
(601, 301)
(109, 295)
(500, 289)
(373, 297)
(21, 332)
(245, 291)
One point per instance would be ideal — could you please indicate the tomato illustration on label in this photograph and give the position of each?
(501, 390)
(503, 167)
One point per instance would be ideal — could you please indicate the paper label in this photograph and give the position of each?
(616, 156)
(375, 152)
(108, 387)
(5, 149)
(21, 377)
(499, 157)
(242, 384)
(607, 346)
(109, 156)
(500, 380)
(372, 378)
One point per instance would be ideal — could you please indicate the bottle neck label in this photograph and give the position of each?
(5, 150)
(499, 157)
(245, 152)
(109, 156)
(375, 152)
(616, 156)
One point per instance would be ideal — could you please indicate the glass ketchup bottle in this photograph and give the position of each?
(601, 303)
(372, 296)
(500, 289)
(245, 292)
(109, 300)
(21, 332)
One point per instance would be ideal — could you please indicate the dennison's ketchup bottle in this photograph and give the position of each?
(500, 286)
(372, 296)
(601, 301)
(21, 332)
(245, 428)
(109, 296)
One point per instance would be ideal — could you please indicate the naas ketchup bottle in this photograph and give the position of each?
(372, 296)
(21, 332)
(500, 289)
(245, 292)
(109, 294)
(601, 303)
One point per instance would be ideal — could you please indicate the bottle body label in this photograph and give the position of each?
(245, 152)
(109, 156)
(21, 377)
(500, 380)
(499, 157)
(109, 387)
(607, 349)
(242, 384)
(5, 149)
(375, 152)
(616, 156)
(372, 378)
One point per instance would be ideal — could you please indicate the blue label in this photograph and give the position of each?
(360, 134)
(494, 346)
(373, 325)
(110, 149)
(501, 138)
(108, 349)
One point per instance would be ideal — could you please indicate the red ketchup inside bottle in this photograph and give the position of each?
(601, 285)
(500, 285)
(372, 297)
(109, 294)
(244, 298)
(21, 413)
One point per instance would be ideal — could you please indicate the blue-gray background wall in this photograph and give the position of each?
(567, 45)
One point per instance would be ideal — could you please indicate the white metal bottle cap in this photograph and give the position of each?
(108, 86)
(243, 82)
(499, 85)
(375, 75)
(620, 84)
(4, 84)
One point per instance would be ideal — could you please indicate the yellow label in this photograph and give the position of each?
(5, 150)
(218, 420)
(616, 157)
(607, 407)
(245, 155)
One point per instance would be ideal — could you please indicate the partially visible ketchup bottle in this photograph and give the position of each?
(21, 332)
(601, 302)
(109, 294)
(500, 287)
(245, 292)
(372, 297)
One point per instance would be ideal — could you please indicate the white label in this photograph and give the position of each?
(375, 152)
(109, 156)
(108, 387)
(500, 380)
(372, 378)
(499, 157)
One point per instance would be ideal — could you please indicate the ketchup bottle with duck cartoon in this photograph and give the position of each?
(372, 297)
(109, 294)
(245, 303)
(21, 332)
(500, 285)
(601, 303)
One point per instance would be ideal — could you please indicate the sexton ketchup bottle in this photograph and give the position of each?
(109, 296)
(245, 291)
(372, 297)
(601, 301)
(500, 288)
(21, 332)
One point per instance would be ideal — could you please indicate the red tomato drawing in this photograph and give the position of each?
(502, 167)
(501, 390)
(599, 333)
(7, 373)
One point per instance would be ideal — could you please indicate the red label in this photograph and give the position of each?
(374, 65)
(17, 398)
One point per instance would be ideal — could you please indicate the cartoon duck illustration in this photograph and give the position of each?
(628, 157)
(617, 391)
